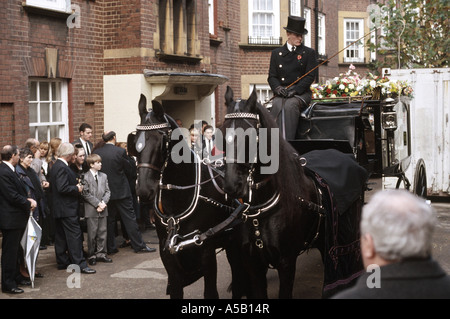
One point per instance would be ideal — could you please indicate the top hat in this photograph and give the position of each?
(296, 25)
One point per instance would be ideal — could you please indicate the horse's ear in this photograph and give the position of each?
(229, 96)
(131, 145)
(143, 107)
(252, 101)
(158, 110)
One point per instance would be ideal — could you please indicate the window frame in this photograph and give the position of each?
(259, 90)
(360, 47)
(275, 24)
(212, 16)
(63, 125)
(60, 5)
(178, 32)
(321, 35)
(307, 41)
(295, 8)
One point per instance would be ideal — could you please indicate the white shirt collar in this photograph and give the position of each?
(10, 166)
(64, 161)
(289, 46)
(93, 173)
(85, 145)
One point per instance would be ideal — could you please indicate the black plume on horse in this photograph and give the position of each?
(291, 210)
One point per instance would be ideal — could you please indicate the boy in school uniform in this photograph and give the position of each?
(96, 194)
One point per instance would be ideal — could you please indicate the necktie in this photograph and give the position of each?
(96, 179)
(88, 151)
(293, 49)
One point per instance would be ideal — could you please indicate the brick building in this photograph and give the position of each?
(63, 62)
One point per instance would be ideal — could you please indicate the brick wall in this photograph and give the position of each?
(225, 58)
(115, 25)
(24, 36)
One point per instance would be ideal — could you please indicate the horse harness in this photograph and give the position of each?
(173, 223)
(238, 208)
(255, 214)
(140, 143)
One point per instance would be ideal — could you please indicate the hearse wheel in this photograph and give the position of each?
(420, 179)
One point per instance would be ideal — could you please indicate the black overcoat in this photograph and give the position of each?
(64, 189)
(14, 205)
(286, 67)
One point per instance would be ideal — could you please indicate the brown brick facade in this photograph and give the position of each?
(121, 37)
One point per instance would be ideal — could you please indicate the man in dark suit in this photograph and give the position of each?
(85, 138)
(396, 244)
(15, 207)
(65, 191)
(116, 166)
(287, 65)
(208, 141)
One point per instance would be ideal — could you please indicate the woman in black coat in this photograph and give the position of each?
(31, 181)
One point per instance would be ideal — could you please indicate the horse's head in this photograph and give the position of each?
(240, 130)
(150, 145)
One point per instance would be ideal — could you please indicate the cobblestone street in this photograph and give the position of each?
(142, 276)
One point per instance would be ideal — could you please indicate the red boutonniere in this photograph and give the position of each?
(299, 57)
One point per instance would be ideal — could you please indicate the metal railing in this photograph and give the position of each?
(265, 41)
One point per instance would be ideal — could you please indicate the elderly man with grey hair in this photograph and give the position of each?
(65, 191)
(396, 243)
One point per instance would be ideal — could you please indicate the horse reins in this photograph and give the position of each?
(254, 214)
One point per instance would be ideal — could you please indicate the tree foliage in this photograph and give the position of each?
(411, 34)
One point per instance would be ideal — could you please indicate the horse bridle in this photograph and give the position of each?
(166, 138)
(237, 115)
(273, 201)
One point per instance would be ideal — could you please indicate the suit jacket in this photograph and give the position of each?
(204, 148)
(64, 190)
(286, 67)
(116, 166)
(14, 205)
(413, 279)
(94, 193)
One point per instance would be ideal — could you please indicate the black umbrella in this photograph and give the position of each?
(30, 242)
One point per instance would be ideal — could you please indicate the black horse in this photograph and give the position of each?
(194, 218)
(291, 208)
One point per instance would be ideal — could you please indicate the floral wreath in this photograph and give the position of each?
(351, 84)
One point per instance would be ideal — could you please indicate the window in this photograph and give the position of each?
(211, 17)
(307, 37)
(295, 8)
(48, 111)
(353, 30)
(321, 50)
(264, 22)
(264, 93)
(373, 41)
(178, 27)
(55, 5)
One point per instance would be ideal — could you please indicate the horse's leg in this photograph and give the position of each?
(286, 275)
(257, 273)
(258, 279)
(174, 289)
(240, 283)
(209, 262)
(174, 282)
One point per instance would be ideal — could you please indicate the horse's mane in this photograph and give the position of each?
(288, 177)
